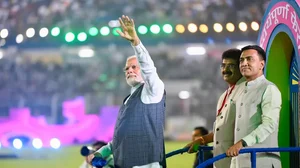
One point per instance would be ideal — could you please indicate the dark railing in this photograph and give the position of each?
(183, 150)
(252, 151)
(201, 149)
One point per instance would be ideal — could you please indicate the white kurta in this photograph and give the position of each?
(224, 124)
(257, 119)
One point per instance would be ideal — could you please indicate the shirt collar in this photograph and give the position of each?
(135, 87)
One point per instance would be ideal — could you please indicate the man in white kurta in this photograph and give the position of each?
(139, 72)
(223, 131)
(257, 113)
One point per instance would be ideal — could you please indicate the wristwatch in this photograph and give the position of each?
(244, 143)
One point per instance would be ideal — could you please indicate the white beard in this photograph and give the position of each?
(133, 81)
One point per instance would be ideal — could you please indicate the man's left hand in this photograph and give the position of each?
(235, 149)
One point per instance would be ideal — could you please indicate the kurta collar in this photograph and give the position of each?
(255, 81)
(240, 81)
(135, 87)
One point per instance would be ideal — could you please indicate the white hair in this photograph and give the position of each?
(131, 57)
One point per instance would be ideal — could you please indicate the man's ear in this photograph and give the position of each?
(262, 64)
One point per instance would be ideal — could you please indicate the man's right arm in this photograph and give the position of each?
(208, 138)
(203, 140)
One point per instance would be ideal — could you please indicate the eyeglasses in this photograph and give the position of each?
(132, 66)
(230, 66)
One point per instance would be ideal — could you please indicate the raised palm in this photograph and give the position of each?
(128, 28)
